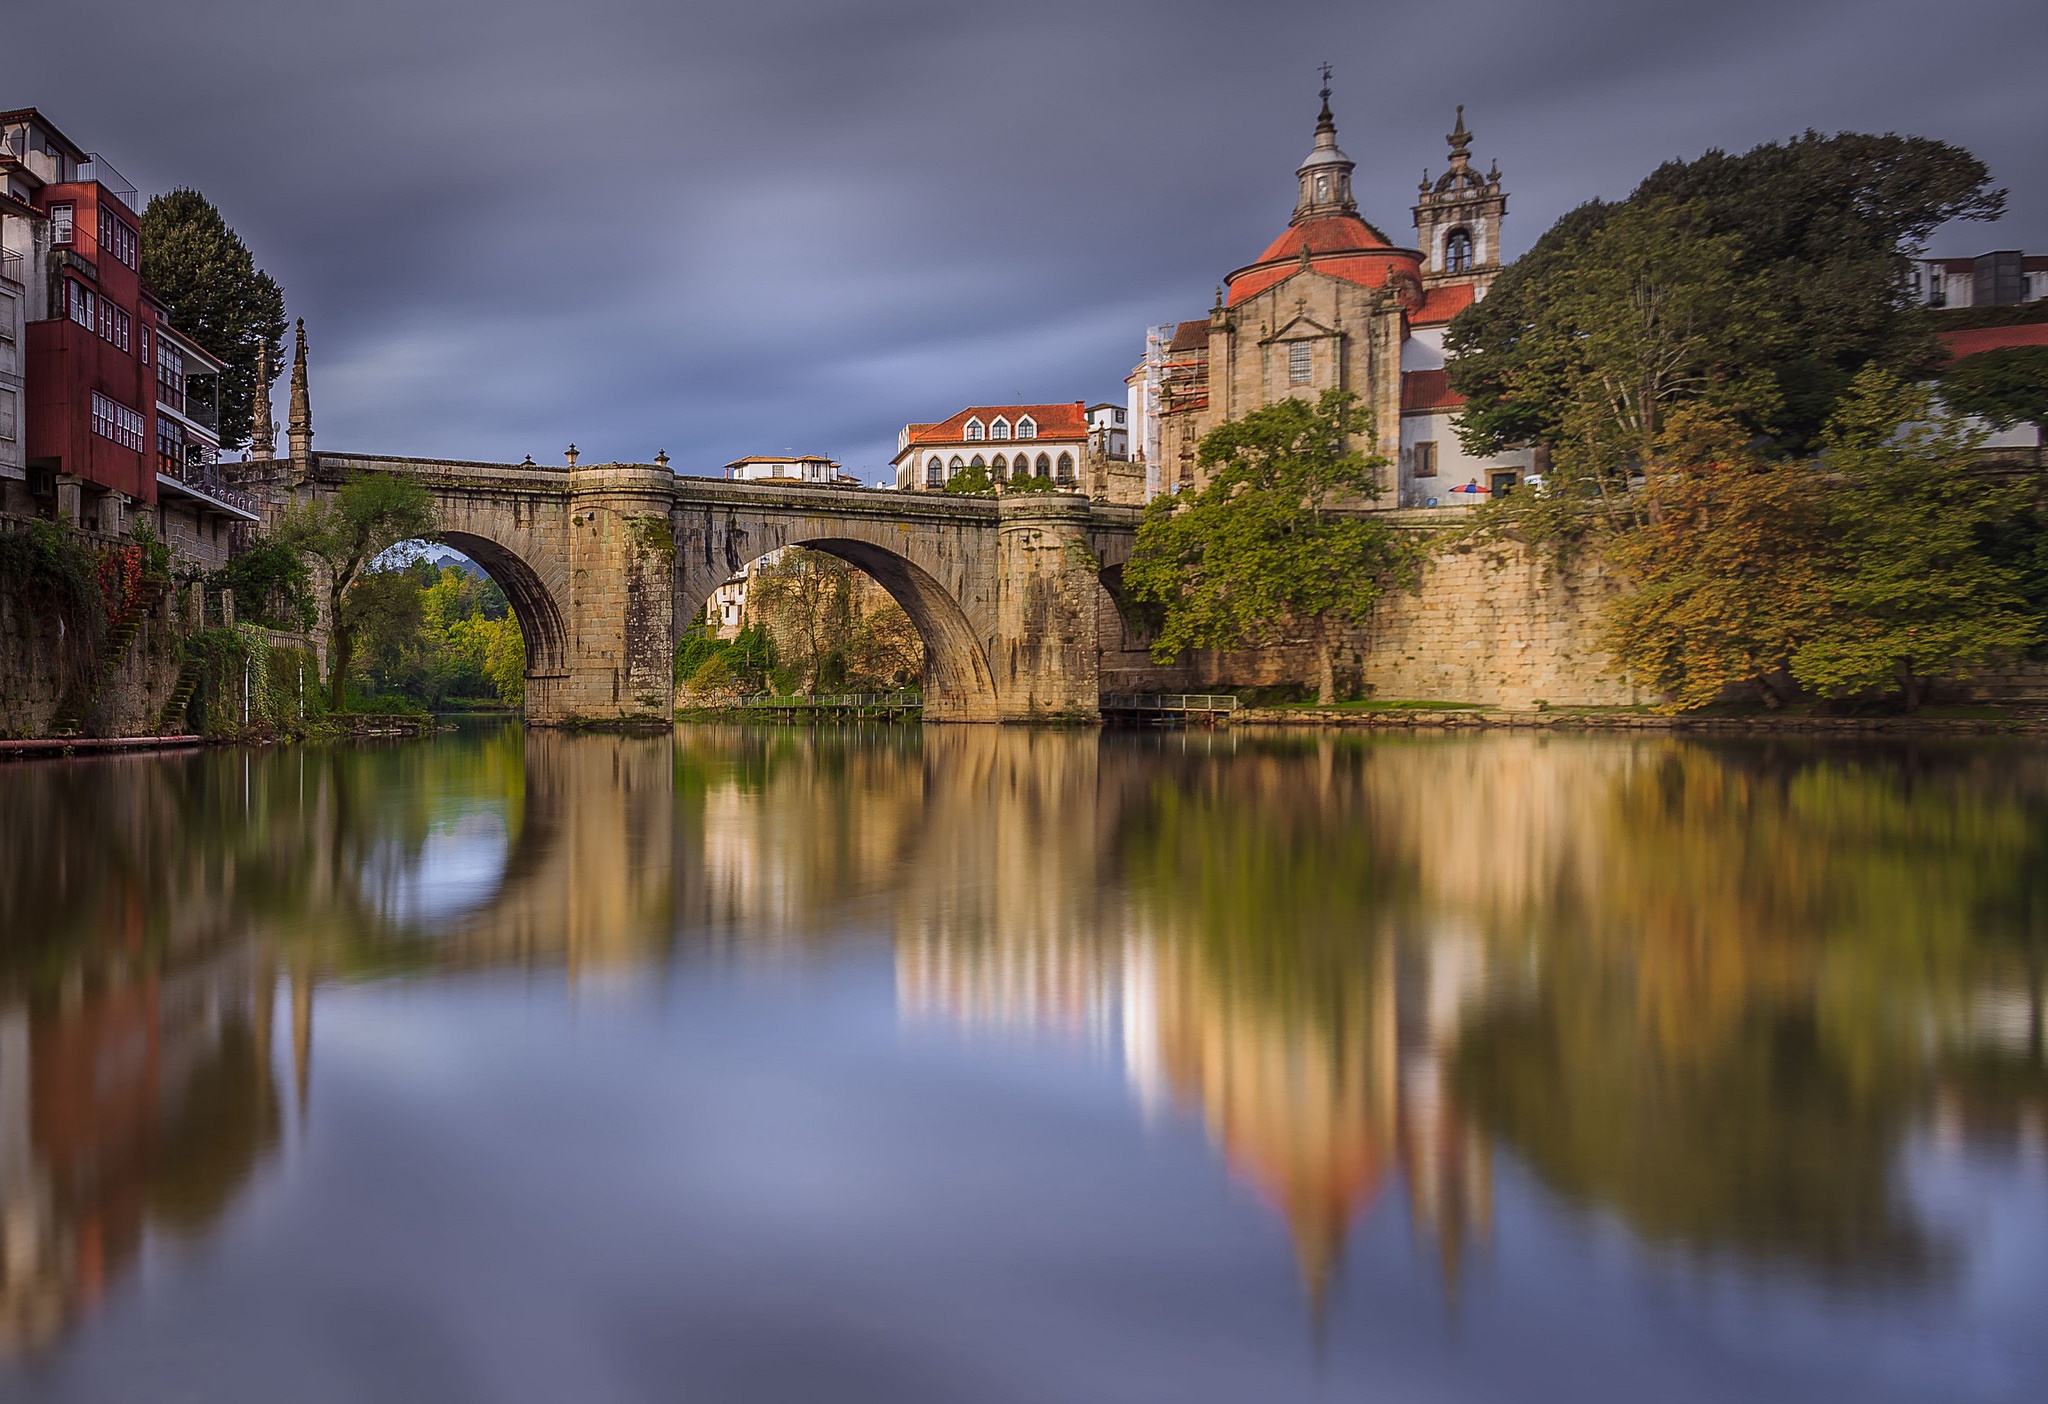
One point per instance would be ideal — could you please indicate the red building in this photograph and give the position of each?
(120, 410)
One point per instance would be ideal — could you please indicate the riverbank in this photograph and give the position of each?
(1976, 721)
(366, 726)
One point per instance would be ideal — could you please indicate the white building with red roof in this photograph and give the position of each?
(1004, 441)
(1332, 303)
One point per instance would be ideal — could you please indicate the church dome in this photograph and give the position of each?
(1326, 233)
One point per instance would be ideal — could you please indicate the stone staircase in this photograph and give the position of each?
(71, 712)
(171, 721)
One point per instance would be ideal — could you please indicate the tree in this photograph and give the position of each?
(344, 535)
(1819, 227)
(1909, 591)
(1274, 542)
(973, 478)
(1722, 575)
(217, 296)
(2004, 387)
(807, 598)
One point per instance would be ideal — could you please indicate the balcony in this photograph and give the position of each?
(11, 265)
(97, 167)
(203, 479)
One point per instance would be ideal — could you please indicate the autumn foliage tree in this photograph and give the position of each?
(1273, 548)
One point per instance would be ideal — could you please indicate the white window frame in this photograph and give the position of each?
(1000, 429)
(974, 431)
(1301, 364)
(1027, 428)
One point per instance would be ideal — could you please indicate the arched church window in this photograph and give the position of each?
(1044, 466)
(976, 462)
(1458, 251)
(1001, 466)
(1066, 467)
(956, 465)
(1000, 429)
(934, 472)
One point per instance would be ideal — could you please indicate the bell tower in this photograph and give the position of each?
(1458, 218)
(1326, 175)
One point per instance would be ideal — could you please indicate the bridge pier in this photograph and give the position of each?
(621, 612)
(1046, 652)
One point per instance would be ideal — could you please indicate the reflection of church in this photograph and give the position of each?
(1332, 303)
(1317, 1109)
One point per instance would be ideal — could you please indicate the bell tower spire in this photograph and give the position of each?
(1458, 217)
(1326, 175)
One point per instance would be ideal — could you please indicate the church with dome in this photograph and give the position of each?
(1333, 303)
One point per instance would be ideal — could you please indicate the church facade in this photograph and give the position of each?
(1333, 303)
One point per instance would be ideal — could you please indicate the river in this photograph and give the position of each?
(981, 1064)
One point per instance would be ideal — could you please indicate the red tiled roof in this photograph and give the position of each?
(1191, 336)
(1067, 421)
(1441, 305)
(1325, 234)
(1342, 246)
(1973, 340)
(1428, 390)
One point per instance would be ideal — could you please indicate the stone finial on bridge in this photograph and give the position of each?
(301, 428)
(262, 427)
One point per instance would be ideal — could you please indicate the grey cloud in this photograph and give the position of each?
(719, 229)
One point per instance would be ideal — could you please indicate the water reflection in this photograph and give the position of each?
(1720, 996)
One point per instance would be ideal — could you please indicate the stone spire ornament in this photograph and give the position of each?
(1326, 175)
(262, 428)
(301, 428)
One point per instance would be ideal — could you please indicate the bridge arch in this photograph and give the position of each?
(540, 616)
(958, 684)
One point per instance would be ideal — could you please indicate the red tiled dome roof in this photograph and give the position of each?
(1341, 245)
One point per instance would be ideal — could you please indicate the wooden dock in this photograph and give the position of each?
(852, 706)
(1168, 709)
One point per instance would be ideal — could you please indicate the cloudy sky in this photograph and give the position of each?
(795, 224)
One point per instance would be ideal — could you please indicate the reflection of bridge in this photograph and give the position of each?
(603, 563)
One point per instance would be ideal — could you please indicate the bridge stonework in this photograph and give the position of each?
(604, 564)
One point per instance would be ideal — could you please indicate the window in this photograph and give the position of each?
(7, 421)
(142, 334)
(1001, 465)
(1027, 428)
(976, 462)
(1425, 458)
(1000, 429)
(170, 447)
(1066, 467)
(114, 324)
(956, 465)
(934, 472)
(1937, 288)
(973, 430)
(1458, 251)
(170, 375)
(1119, 416)
(114, 420)
(79, 302)
(6, 316)
(60, 224)
(117, 237)
(1044, 466)
(1298, 363)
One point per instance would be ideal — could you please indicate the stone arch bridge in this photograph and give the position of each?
(603, 565)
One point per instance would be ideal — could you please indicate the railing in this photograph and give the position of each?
(1169, 702)
(10, 266)
(96, 167)
(1169, 709)
(206, 478)
(849, 701)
